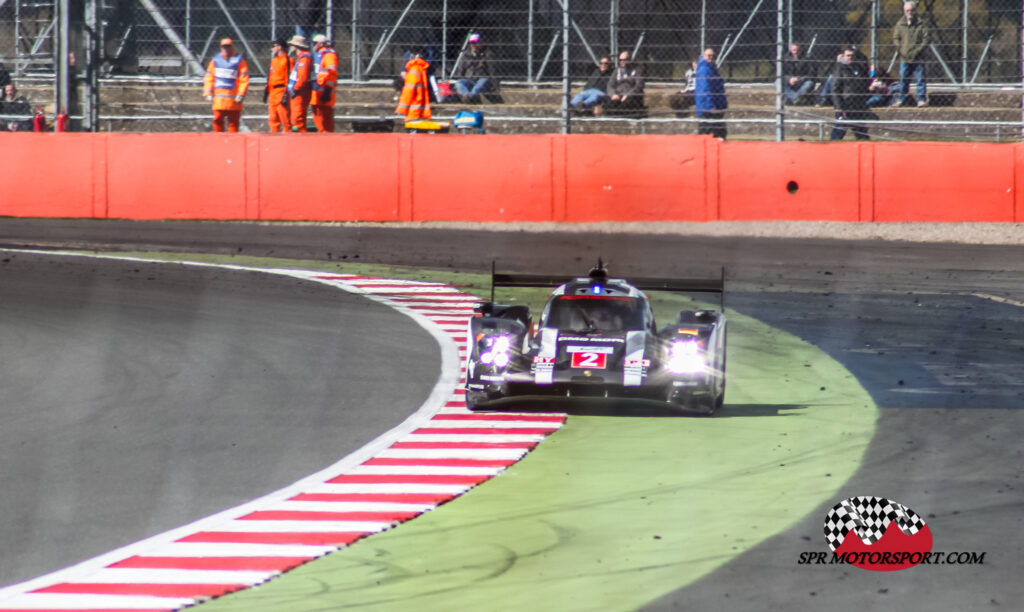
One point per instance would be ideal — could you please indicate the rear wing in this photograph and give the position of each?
(695, 285)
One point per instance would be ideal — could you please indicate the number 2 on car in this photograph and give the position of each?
(589, 360)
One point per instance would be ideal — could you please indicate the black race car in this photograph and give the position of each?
(597, 338)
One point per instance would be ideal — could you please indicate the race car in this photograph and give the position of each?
(597, 337)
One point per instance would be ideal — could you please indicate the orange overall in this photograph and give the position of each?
(277, 83)
(300, 89)
(226, 79)
(324, 90)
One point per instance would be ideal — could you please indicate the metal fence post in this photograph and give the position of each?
(566, 127)
(91, 100)
(444, 37)
(874, 33)
(357, 71)
(780, 111)
(789, 24)
(703, 25)
(186, 67)
(967, 5)
(529, 43)
(60, 59)
(613, 28)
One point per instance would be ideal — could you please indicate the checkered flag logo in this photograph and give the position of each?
(868, 518)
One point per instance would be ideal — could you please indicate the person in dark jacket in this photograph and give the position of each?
(626, 87)
(595, 92)
(16, 104)
(850, 92)
(797, 75)
(474, 76)
(709, 98)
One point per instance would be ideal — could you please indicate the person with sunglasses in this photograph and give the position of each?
(626, 88)
(594, 94)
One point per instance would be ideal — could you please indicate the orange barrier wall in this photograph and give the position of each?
(540, 177)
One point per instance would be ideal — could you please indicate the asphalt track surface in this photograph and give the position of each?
(932, 331)
(136, 398)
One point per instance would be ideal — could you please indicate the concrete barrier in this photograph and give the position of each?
(540, 177)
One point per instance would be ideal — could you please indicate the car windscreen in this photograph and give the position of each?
(589, 313)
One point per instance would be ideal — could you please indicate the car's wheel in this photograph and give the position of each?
(475, 399)
(720, 395)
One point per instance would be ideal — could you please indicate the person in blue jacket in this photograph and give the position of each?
(709, 97)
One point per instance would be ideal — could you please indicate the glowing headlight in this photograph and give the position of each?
(497, 352)
(684, 357)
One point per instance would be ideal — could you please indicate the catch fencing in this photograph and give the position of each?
(975, 46)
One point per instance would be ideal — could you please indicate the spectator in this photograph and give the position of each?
(797, 76)
(709, 97)
(911, 37)
(474, 76)
(299, 83)
(594, 95)
(276, 92)
(883, 89)
(226, 83)
(325, 84)
(5, 79)
(16, 104)
(683, 99)
(414, 102)
(850, 94)
(626, 87)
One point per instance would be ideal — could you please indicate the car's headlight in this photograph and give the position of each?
(497, 351)
(685, 357)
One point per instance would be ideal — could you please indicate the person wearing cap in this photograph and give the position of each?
(276, 93)
(300, 88)
(226, 83)
(473, 75)
(325, 84)
(414, 102)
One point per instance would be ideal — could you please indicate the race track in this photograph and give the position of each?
(932, 331)
(140, 397)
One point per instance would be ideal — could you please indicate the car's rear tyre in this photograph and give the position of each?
(720, 396)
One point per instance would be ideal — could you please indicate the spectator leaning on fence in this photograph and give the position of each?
(226, 83)
(276, 92)
(911, 37)
(474, 75)
(850, 94)
(300, 88)
(709, 98)
(16, 104)
(797, 75)
(626, 87)
(5, 78)
(595, 92)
